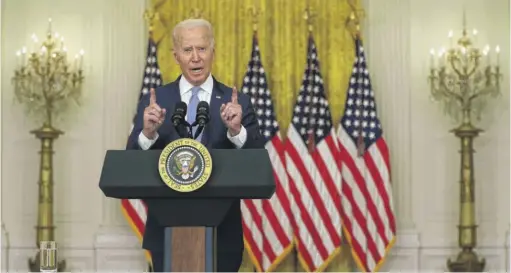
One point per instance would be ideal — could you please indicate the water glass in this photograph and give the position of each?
(48, 256)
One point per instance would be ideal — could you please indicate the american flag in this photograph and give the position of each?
(315, 179)
(367, 208)
(267, 228)
(134, 210)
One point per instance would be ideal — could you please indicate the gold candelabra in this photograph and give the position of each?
(46, 82)
(462, 77)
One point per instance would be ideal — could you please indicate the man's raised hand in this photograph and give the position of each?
(231, 114)
(154, 116)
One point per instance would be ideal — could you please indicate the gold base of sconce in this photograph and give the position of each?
(45, 229)
(467, 261)
(34, 264)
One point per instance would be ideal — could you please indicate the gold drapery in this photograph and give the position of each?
(282, 33)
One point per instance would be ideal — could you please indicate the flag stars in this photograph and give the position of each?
(255, 85)
(360, 113)
(311, 112)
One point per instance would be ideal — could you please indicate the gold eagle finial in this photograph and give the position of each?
(150, 15)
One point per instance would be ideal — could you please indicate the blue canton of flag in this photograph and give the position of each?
(360, 120)
(311, 115)
(152, 74)
(256, 86)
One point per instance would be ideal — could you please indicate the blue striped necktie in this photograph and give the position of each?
(192, 109)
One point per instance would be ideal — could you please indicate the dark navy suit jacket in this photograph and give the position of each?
(229, 233)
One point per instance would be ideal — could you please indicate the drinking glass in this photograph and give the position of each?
(48, 256)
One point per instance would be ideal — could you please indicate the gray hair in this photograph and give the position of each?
(191, 23)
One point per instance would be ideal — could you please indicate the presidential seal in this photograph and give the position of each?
(185, 165)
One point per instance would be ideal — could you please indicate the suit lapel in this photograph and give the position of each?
(216, 100)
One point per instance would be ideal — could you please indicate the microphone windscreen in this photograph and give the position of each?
(181, 107)
(203, 107)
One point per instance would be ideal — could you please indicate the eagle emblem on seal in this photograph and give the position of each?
(185, 165)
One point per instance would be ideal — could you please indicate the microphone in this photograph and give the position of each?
(201, 118)
(178, 119)
(179, 114)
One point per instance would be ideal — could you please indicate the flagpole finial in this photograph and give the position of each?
(150, 15)
(309, 16)
(254, 13)
(353, 20)
(195, 13)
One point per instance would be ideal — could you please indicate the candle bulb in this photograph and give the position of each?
(451, 34)
(75, 63)
(81, 58)
(474, 33)
(18, 59)
(35, 41)
(487, 54)
(23, 56)
(61, 42)
(43, 50)
(49, 25)
(432, 59)
(441, 57)
(497, 50)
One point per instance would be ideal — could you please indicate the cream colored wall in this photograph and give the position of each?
(113, 35)
(424, 155)
(399, 34)
(3, 237)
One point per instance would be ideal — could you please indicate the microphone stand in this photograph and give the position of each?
(189, 129)
(185, 124)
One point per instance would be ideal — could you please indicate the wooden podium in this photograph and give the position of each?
(190, 218)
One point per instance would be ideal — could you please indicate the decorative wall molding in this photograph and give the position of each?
(508, 253)
(387, 58)
(405, 253)
(77, 260)
(119, 103)
(4, 244)
(4, 250)
(117, 249)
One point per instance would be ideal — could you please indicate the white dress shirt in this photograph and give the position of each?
(185, 89)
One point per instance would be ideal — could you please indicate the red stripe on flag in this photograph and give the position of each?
(257, 218)
(139, 224)
(272, 217)
(357, 213)
(256, 252)
(315, 197)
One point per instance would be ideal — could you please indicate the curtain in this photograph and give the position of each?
(282, 32)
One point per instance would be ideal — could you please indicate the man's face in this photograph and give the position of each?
(194, 54)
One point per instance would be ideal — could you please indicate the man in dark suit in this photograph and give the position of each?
(232, 125)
